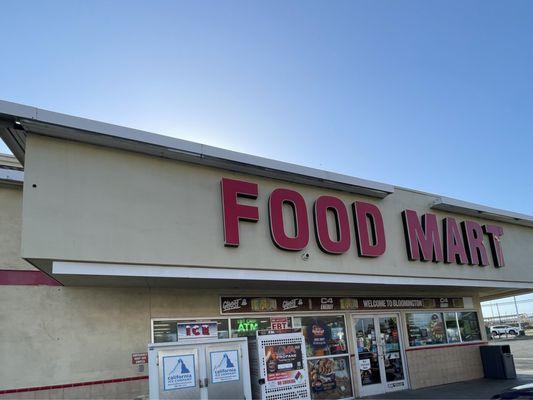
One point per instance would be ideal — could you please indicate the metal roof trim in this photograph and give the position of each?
(80, 129)
(11, 176)
(477, 210)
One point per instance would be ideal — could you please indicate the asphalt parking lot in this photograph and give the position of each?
(522, 350)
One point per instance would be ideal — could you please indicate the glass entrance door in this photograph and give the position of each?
(379, 359)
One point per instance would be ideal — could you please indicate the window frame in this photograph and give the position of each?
(254, 316)
(341, 355)
(408, 337)
(480, 326)
(456, 326)
(197, 319)
(446, 344)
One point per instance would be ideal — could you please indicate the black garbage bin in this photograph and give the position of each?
(498, 362)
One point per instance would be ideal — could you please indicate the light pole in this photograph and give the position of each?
(516, 309)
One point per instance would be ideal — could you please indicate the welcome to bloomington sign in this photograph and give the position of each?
(425, 239)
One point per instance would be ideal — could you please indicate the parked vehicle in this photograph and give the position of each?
(517, 392)
(499, 330)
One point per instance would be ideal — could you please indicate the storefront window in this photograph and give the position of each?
(452, 330)
(428, 329)
(247, 326)
(330, 377)
(324, 335)
(469, 325)
(425, 329)
(167, 330)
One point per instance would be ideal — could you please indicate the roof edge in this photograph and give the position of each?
(16, 116)
(477, 210)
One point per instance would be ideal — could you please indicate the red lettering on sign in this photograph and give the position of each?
(475, 249)
(422, 240)
(370, 238)
(341, 243)
(494, 233)
(233, 211)
(454, 248)
(277, 199)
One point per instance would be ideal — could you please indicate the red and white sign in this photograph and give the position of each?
(279, 323)
(197, 330)
(466, 242)
(139, 358)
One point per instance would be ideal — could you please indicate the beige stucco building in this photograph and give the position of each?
(110, 236)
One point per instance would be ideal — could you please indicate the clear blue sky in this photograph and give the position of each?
(436, 96)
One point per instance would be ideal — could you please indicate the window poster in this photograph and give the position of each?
(224, 366)
(425, 329)
(179, 372)
(318, 335)
(364, 364)
(330, 378)
(284, 365)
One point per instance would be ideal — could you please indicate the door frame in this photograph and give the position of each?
(355, 367)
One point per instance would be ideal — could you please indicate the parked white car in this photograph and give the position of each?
(499, 330)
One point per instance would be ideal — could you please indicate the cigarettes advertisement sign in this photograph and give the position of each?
(284, 365)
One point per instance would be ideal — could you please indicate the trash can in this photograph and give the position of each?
(498, 362)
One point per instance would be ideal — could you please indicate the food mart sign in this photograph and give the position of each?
(426, 238)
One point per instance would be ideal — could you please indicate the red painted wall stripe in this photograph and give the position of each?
(446, 346)
(25, 277)
(77, 384)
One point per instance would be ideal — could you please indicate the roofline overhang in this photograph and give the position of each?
(17, 120)
(11, 177)
(479, 211)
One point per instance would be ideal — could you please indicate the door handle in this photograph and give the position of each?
(200, 384)
(206, 382)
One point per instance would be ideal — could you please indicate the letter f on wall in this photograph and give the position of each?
(232, 211)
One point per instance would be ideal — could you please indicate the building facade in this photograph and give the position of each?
(112, 236)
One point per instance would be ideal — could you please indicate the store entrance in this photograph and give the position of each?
(380, 365)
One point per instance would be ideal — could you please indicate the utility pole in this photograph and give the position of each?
(516, 309)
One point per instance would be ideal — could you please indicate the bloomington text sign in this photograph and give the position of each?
(246, 304)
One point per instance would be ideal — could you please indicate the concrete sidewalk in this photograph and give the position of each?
(476, 389)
